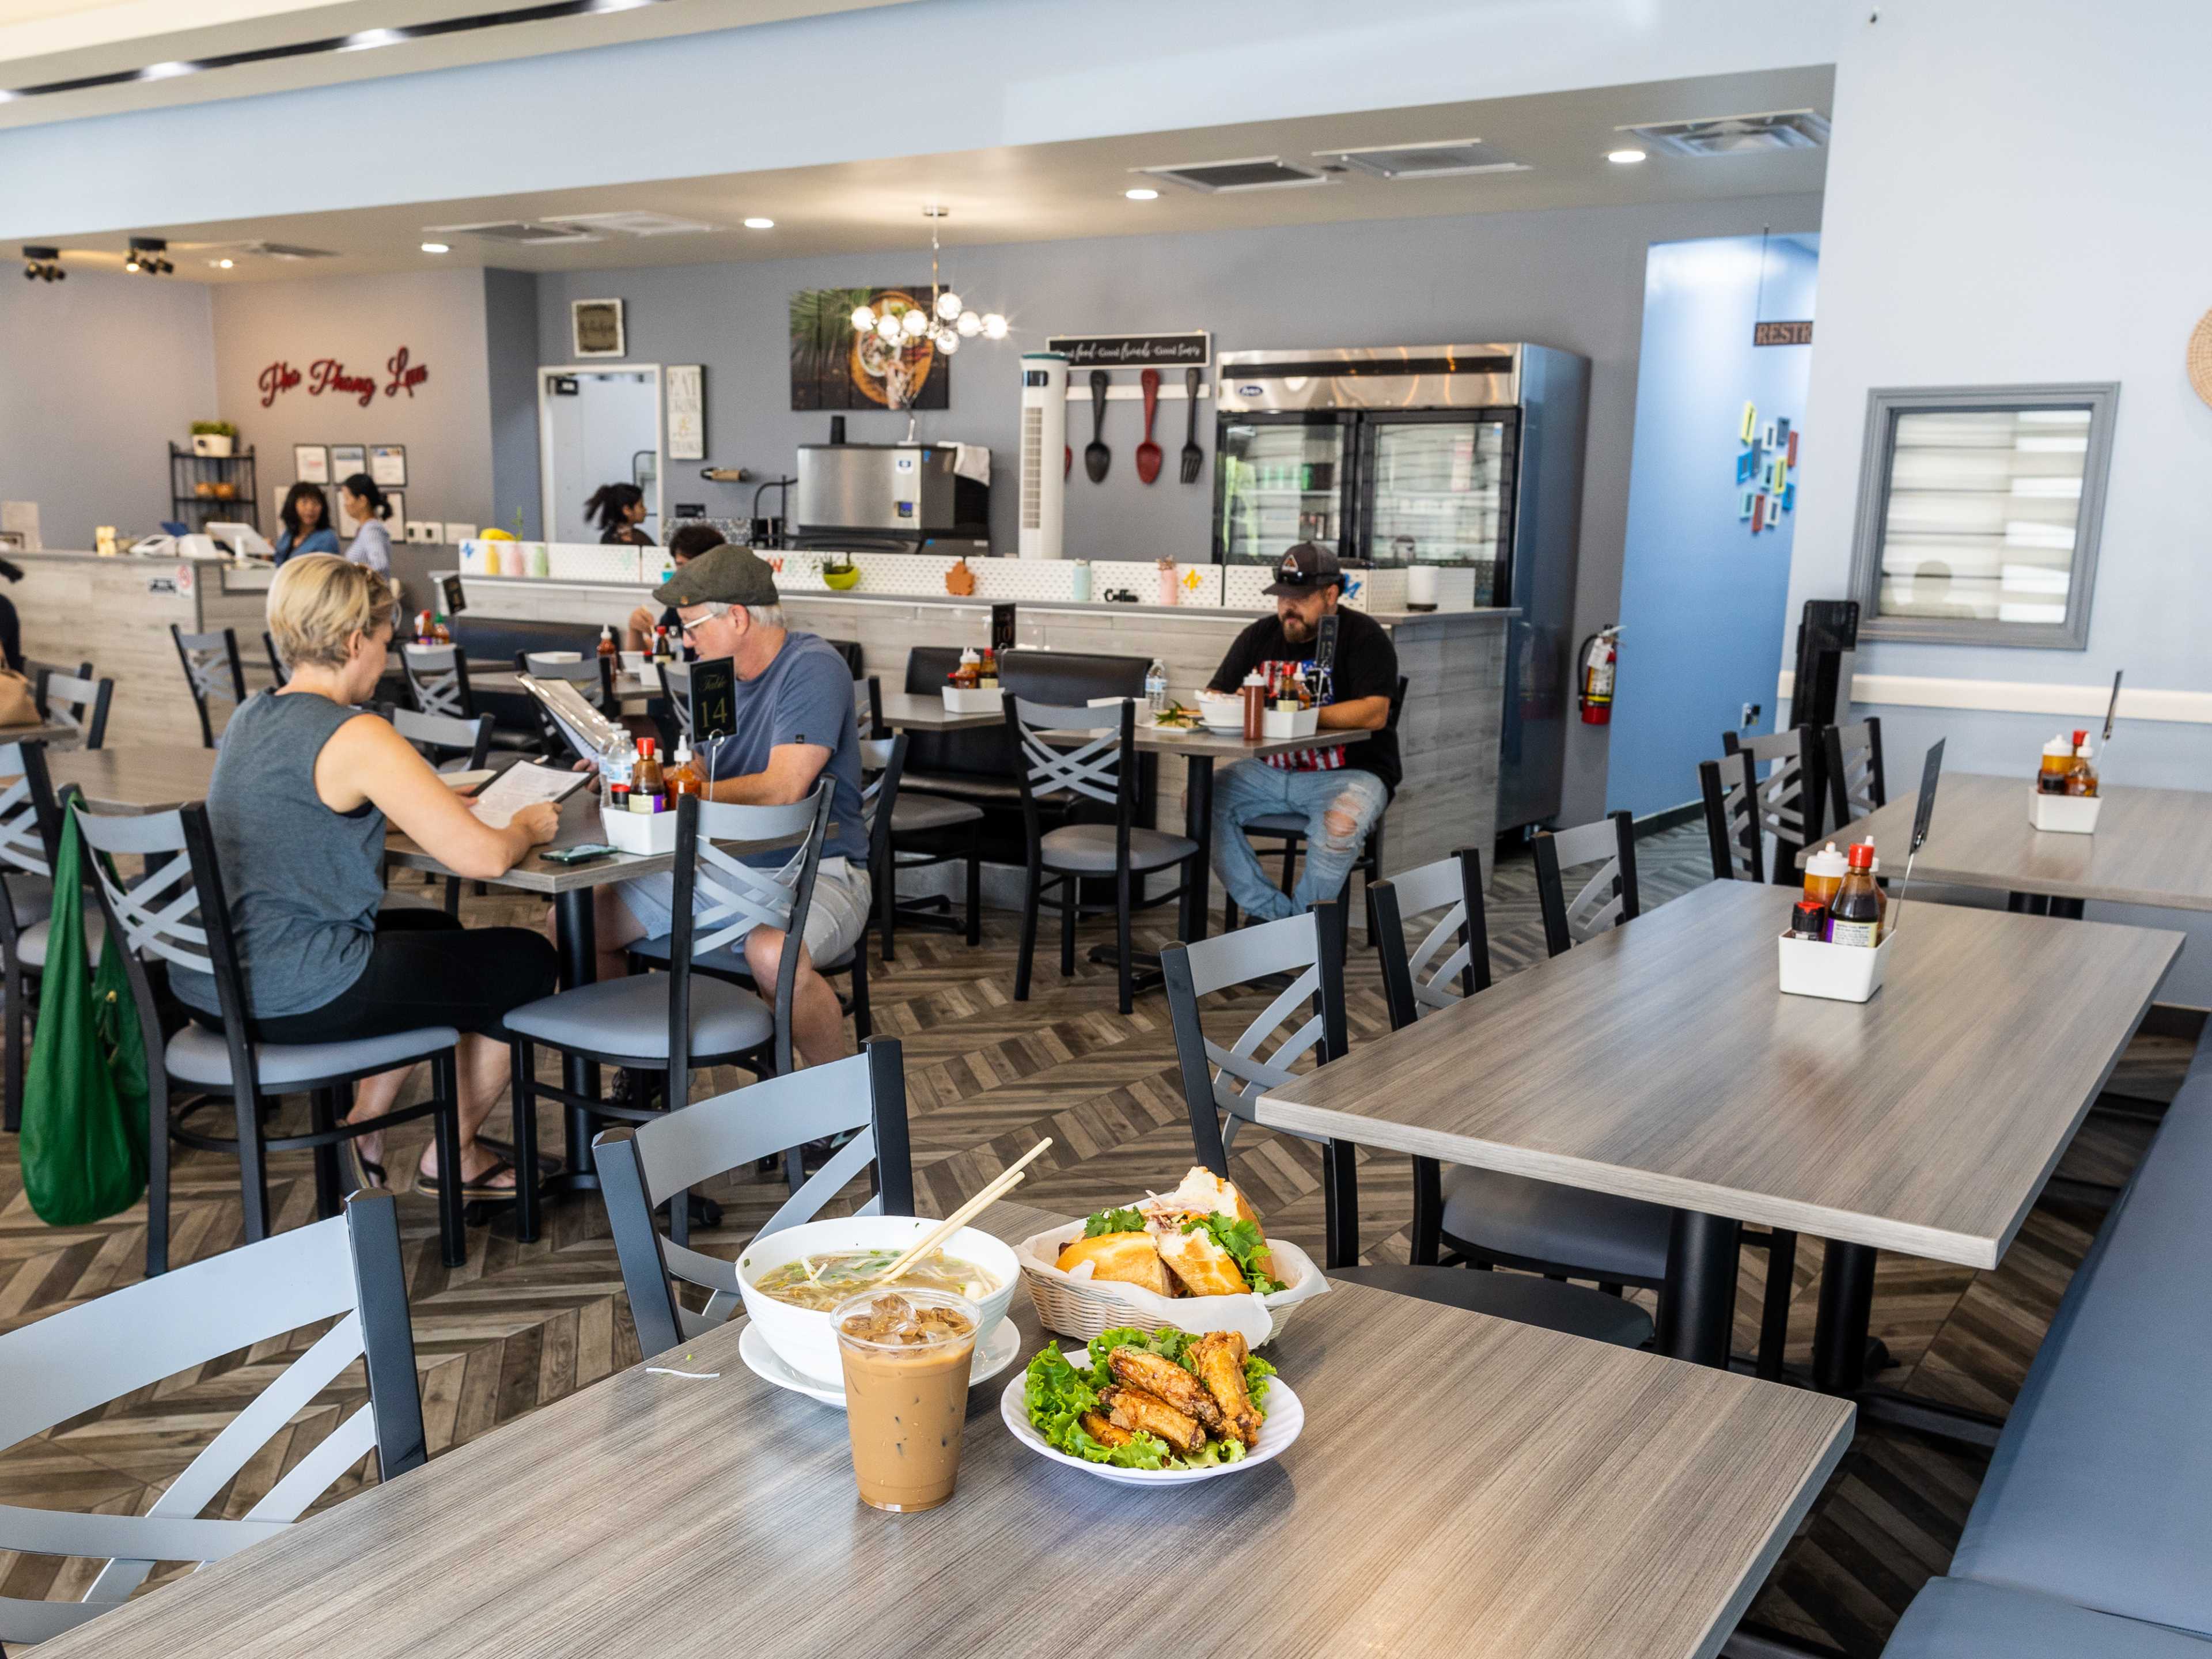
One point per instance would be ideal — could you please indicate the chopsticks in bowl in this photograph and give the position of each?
(1006, 1181)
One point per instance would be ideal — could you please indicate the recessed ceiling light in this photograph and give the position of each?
(1142, 195)
(224, 264)
(436, 248)
(759, 224)
(1624, 157)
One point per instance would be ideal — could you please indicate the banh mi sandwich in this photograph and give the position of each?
(1131, 1257)
(1201, 1239)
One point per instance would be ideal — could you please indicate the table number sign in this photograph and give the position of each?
(1931, 772)
(714, 697)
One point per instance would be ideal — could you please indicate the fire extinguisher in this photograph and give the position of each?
(1599, 654)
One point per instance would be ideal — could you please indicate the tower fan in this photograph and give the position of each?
(1044, 447)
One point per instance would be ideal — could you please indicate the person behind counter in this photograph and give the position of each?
(303, 788)
(365, 505)
(685, 545)
(793, 726)
(1340, 792)
(306, 517)
(619, 509)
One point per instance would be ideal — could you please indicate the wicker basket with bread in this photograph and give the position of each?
(1196, 1258)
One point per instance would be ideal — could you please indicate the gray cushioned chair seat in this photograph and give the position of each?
(963, 786)
(1958, 1619)
(32, 896)
(1607, 1236)
(913, 814)
(1526, 1300)
(729, 959)
(2100, 1488)
(630, 1016)
(1088, 847)
(197, 1054)
(32, 941)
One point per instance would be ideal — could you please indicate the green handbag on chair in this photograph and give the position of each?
(85, 1094)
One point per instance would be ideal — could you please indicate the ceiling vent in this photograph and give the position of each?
(1737, 135)
(634, 223)
(1447, 158)
(1253, 172)
(521, 232)
(286, 251)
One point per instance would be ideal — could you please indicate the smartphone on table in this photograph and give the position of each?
(582, 854)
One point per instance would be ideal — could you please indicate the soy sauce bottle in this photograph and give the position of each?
(1854, 914)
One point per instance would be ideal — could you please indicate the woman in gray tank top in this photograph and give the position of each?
(302, 792)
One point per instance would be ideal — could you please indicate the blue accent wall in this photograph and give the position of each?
(1702, 598)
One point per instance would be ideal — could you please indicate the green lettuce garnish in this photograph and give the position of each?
(1113, 1221)
(1057, 1394)
(1242, 1241)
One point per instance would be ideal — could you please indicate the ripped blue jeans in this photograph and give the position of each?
(1339, 808)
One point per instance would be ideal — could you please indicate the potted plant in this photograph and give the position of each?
(214, 438)
(839, 572)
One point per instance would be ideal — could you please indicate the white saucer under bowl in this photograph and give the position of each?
(998, 1349)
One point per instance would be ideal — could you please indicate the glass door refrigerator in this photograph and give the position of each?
(1466, 456)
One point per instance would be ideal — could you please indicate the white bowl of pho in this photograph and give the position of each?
(791, 1279)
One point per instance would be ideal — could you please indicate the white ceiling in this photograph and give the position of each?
(46, 41)
(1055, 191)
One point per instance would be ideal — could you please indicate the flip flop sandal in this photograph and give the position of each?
(549, 1162)
(367, 1169)
(475, 1189)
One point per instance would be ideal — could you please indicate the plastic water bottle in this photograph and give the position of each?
(1156, 686)
(619, 763)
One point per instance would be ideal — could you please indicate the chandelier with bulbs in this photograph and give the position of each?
(945, 322)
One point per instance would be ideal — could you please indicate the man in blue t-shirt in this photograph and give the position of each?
(793, 726)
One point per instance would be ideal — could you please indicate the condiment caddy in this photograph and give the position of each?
(973, 687)
(1839, 942)
(2066, 798)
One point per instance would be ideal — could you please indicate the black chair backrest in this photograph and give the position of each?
(496, 638)
(276, 668)
(850, 651)
(1454, 947)
(886, 758)
(1853, 771)
(1729, 789)
(437, 680)
(1094, 764)
(1790, 801)
(28, 825)
(75, 700)
(1607, 899)
(1071, 677)
(440, 737)
(211, 669)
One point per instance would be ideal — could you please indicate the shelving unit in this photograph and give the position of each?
(232, 493)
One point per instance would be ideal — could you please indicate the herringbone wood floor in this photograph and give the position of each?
(520, 1326)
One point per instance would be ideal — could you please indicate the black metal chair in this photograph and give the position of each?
(77, 699)
(1789, 795)
(1290, 829)
(1729, 789)
(1852, 770)
(211, 669)
(29, 823)
(277, 673)
(1220, 1080)
(1073, 755)
(176, 912)
(926, 829)
(675, 1022)
(644, 1166)
(444, 741)
(1607, 898)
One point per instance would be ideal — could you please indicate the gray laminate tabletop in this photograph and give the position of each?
(1461, 1482)
(1660, 1061)
(2152, 845)
(908, 711)
(141, 781)
(579, 825)
(55, 734)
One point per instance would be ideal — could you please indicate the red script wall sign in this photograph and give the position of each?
(329, 374)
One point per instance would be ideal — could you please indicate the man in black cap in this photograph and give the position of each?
(793, 725)
(1338, 791)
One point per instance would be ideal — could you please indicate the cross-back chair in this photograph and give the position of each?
(78, 701)
(1729, 790)
(645, 1165)
(1790, 802)
(438, 679)
(211, 669)
(1851, 763)
(1228, 1079)
(1606, 899)
(28, 823)
(72, 1362)
(451, 746)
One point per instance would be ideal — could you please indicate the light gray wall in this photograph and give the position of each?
(511, 346)
(1569, 279)
(438, 316)
(98, 374)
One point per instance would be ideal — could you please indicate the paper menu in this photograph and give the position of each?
(520, 785)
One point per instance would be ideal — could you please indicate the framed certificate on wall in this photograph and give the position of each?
(346, 459)
(311, 463)
(596, 328)
(387, 465)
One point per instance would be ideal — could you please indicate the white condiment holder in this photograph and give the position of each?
(974, 700)
(639, 832)
(1277, 723)
(1840, 973)
(2067, 815)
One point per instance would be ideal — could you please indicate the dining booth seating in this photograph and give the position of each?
(2089, 1535)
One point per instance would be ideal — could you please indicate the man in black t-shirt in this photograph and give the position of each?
(1338, 791)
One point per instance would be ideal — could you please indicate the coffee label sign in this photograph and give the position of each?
(1193, 350)
(329, 375)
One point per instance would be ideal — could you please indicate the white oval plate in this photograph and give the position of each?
(1286, 1416)
(998, 1351)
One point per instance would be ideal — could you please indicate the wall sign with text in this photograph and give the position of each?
(1193, 350)
(1768, 334)
(330, 375)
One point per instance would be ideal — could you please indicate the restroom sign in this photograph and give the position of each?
(1783, 334)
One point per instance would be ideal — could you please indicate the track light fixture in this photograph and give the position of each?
(43, 264)
(149, 255)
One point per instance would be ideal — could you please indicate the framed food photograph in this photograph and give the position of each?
(595, 328)
(388, 464)
(311, 463)
(346, 459)
(835, 366)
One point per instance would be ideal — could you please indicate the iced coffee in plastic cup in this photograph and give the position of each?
(906, 1355)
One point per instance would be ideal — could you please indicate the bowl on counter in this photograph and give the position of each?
(1222, 713)
(802, 1337)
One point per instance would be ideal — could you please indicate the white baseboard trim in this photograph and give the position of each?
(2021, 697)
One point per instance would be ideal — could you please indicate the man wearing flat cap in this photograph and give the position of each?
(1336, 793)
(793, 726)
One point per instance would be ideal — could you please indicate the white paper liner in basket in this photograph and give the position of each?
(1083, 1307)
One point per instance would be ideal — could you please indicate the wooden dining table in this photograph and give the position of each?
(1660, 1060)
(57, 735)
(134, 779)
(2151, 847)
(1461, 1483)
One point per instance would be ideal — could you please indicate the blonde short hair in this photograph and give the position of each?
(318, 602)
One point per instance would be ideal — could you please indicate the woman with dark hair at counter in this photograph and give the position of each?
(365, 505)
(306, 517)
(685, 545)
(619, 509)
